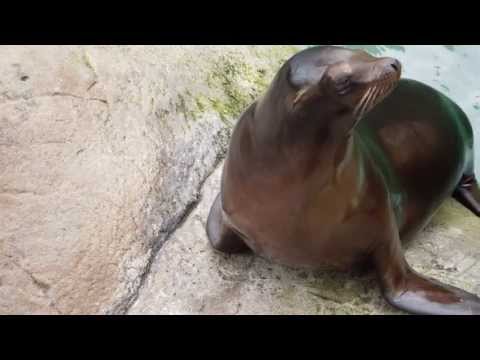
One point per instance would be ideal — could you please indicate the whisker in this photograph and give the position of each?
(362, 100)
(377, 96)
(369, 99)
(387, 88)
(375, 93)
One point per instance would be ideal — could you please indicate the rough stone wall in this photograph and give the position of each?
(103, 150)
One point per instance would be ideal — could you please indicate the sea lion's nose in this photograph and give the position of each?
(393, 64)
(390, 66)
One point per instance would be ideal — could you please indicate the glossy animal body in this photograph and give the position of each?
(337, 164)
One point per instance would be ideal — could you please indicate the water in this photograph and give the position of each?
(453, 70)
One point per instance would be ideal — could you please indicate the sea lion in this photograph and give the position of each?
(339, 162)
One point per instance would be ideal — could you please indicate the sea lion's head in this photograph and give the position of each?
(347, 83)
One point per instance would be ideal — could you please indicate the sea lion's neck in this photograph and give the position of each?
(280, 137)
(275, 125)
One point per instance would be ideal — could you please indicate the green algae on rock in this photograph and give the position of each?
(231, 76)
(240, 82)
(232, 84)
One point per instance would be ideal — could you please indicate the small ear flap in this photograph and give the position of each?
(300, 95)
(305, 94)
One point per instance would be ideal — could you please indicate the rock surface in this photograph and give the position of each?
(189, 277)
(102, 151)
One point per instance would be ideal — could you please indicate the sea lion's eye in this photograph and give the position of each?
(343, 84)
(344, 80)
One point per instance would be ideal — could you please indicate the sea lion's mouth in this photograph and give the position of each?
(374, 94)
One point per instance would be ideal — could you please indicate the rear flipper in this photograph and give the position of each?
(409, 291)
(467, 193)
(419, 295)
(222, 237)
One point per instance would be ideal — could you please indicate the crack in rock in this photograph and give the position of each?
(13, 99)
(19, 192)
(43, 286)
(89, 64)
(167, 233)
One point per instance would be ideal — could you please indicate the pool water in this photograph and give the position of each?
(453, 70)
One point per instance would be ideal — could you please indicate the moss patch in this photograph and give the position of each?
(240, 82)
(233, 84)
(277, 54)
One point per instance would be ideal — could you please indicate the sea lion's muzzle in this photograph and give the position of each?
(394, 64)
(390, 67)
(381, 78)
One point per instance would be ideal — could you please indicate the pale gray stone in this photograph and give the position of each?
(103, 149)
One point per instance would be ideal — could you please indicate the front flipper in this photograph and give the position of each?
(407, 290)
(221, 236)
